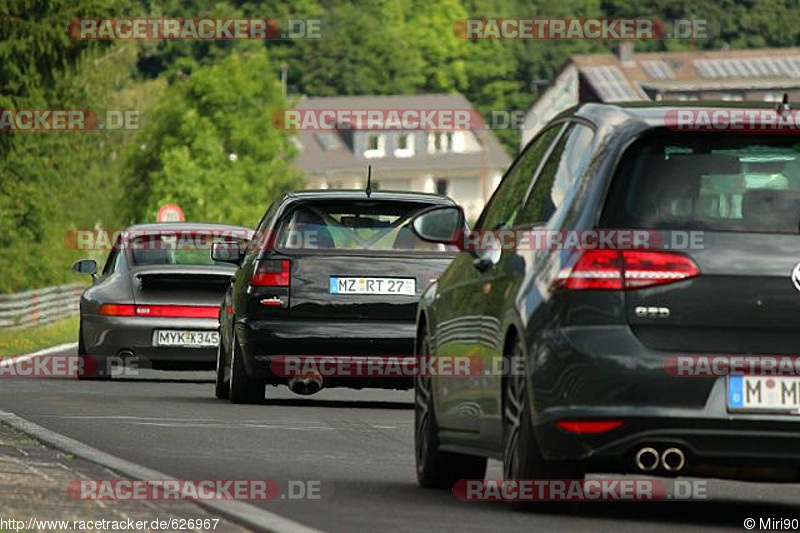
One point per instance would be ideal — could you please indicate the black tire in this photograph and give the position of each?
(435, 468)
(222, 387)
(243, 389)
(522, 456)
(87, 361)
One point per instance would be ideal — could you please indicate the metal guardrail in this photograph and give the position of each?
(40, 306)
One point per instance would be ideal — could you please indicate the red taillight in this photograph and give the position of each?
(164, 311)
(596, 269)
(624, 270)
(580, 426)
(645, 269)
(118, 310)
(178, 311)
(271, 273)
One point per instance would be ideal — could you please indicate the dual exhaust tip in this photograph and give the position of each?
(672, 459)
(306, 385)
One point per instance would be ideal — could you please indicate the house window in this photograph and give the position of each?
(440, 142)
(732, 97)
(375, 145)
(441, 186)
(405, 145)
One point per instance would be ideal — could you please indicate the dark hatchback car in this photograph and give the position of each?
(328, 273)
(156, 300)
(586, 335)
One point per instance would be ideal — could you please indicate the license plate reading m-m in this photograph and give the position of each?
(405, 286)
(193, 339)
(764, 393)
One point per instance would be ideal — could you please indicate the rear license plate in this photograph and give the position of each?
(191, 339)
(405, 286)
(764, 394)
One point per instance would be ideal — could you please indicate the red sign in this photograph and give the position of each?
(170, 213)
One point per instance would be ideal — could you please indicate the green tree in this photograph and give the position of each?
(210, 146)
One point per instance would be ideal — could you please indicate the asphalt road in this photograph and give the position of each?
(357, 443)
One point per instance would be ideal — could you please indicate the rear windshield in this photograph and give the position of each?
(708, 181)
(177, 249)
(354, 225)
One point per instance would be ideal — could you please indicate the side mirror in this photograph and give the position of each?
(227, 252)
(85, 266)
(440, 224)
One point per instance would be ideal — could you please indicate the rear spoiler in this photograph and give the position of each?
(184, 274)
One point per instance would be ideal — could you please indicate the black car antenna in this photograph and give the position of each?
(369, 181)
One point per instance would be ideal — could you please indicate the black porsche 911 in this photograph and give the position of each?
(336, 273)
(156, 300)
(588, 333)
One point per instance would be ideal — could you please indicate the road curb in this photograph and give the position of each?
(239, 512)
(55, 349)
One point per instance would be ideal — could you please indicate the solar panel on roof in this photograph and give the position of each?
(659, 70)
(610, 84)
(749, 68)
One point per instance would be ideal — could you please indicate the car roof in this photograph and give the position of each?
(160, 227)
(652, 114)
(360, 194)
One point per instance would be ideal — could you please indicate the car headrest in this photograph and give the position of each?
(306, 221)
(772, 209)
(678, 178)
(406, 240)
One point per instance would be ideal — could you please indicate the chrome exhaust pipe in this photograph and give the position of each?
(314, 385)
(673, 460)
(647, 459)
(306, 385)
(297, 385)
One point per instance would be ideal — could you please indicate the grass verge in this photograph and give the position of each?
(29, 340)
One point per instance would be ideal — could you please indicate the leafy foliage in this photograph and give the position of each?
(210, 146)
(201, 101)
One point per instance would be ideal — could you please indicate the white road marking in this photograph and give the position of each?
(230, 426)
(55, 349)
(16, 359)
(210, 423)
(236, 511)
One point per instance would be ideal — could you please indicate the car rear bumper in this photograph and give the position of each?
(263, 341)
(605, 373)
(116, 336)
